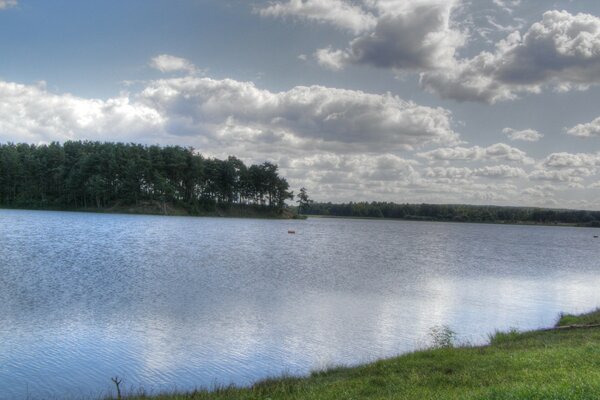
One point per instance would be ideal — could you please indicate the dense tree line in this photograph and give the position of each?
(100, 175)
(456, 212)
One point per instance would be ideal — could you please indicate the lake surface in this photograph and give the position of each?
(177, 303)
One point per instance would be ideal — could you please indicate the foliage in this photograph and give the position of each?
(456, 213)
(500, 337)
(303, 201)
(592, 318)
(102, 175)
(442, 337)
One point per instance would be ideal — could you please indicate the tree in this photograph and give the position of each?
(103, 175)
(303, 201)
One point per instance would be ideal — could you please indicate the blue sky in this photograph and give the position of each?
(487, 102)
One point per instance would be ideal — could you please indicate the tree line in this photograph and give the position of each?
(456, 212)
(84, 174)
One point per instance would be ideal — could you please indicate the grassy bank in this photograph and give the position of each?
(561, 363)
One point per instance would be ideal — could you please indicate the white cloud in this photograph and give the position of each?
(407, 36)
(586, 130)
(337, 118)
(570, 160)
(507, 5)
(169, 63)
(572, 175)
(500, 171)
(7, 4)
(342, 14)
(463, 173)
(567, 167)
(331, 169)
(228, 111)
(543, 195)
(30, 113)
(331, 59)
(504, 28)
(561, 51)
(527, 135)
(448, 173)
(498, 151)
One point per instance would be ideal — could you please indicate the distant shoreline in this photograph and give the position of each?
(252, 212)
(173, 211)
(457, 213)
(524, 223)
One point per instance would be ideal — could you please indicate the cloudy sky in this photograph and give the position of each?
(445, 101)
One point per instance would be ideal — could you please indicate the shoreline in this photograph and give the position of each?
(234, 212)
(453, 222)
(252, 213)
(559, 363)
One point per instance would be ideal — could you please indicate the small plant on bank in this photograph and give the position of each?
(591, 318)
(117, 381)
(500, 337)
(442, 337)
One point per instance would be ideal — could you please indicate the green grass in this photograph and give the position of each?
(551, 364)
(592, 318)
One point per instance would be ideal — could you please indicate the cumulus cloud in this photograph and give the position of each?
(561, 51)
(500, 172)
(7, 4)
(228, 110)
(169, 63)
(407, 36)
(462, 173)
(330, 168)
(336, 117)
(566, 167)
(334, 60)
(449, 174)
(570, 160)
(339, 13)
(498, 151)
(586, 130)
(388, 176)
(571, 175)
(30, 113)
(527, 135)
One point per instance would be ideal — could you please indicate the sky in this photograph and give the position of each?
(438, 101)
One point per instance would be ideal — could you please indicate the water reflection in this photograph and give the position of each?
(183, 302)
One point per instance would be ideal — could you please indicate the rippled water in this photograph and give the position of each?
(176, 303)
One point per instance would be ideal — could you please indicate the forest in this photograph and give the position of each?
(456, 213)
(87, 175)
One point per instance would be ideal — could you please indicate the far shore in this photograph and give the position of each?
(527, 223)
(172, 210)
(265, 213)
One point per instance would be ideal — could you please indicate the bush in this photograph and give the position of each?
(442, 337)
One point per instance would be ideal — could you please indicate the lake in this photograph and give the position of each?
(177, 303)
